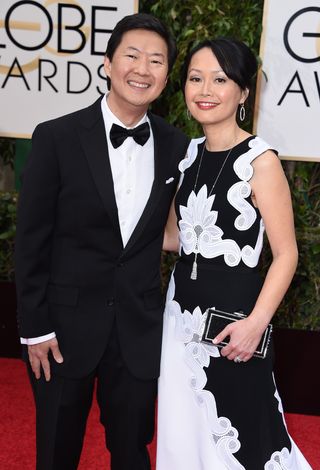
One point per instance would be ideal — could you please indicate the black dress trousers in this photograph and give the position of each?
(127, 411)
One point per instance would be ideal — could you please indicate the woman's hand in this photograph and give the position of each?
(244, 335)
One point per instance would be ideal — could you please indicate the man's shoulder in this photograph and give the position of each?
(165, 127)
(83, 115)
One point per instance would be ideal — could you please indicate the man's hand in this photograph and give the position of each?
(38, 357)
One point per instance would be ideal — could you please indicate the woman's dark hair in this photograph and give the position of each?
(141, 21)
(235, 58)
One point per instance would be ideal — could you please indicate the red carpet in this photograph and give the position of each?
(17, 439)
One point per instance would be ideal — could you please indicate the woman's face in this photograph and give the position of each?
(211, 96)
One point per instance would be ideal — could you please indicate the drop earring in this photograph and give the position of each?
(242, 112)
(188, 114)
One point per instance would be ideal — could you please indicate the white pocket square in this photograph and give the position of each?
(169, 180)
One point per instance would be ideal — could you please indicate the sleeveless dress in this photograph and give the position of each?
(213, 413)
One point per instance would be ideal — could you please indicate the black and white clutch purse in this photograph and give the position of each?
(216, 320)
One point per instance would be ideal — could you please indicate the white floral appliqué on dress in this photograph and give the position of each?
(198, 232)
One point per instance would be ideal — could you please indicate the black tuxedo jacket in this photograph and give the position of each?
(73, 274)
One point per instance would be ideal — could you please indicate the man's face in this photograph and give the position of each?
(138, 72)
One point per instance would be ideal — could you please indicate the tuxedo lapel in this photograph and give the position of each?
(160, 137)
(94, 143)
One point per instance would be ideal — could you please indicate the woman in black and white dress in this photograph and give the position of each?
(219, 408)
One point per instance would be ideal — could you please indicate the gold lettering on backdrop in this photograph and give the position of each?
(32, 26)
(25, 25)
(52, 2)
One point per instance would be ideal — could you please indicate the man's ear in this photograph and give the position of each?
(107, 66)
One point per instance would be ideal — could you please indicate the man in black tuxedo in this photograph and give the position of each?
(94, 201)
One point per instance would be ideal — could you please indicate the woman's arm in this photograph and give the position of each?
(271, 194)
(171, 233)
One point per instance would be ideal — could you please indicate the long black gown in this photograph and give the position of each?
(213, 413)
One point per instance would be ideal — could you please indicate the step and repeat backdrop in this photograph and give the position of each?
(51, 57)
(287, 112)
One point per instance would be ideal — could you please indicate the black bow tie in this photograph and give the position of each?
(119, 134)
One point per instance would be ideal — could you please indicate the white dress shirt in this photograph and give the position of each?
(132, 167)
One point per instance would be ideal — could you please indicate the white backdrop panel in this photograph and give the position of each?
(287, 111)
(51, 56)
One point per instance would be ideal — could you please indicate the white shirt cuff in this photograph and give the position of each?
(40, 339)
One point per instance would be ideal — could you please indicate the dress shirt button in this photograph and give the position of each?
(129, 158)
(110, 302)
(128, 191)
